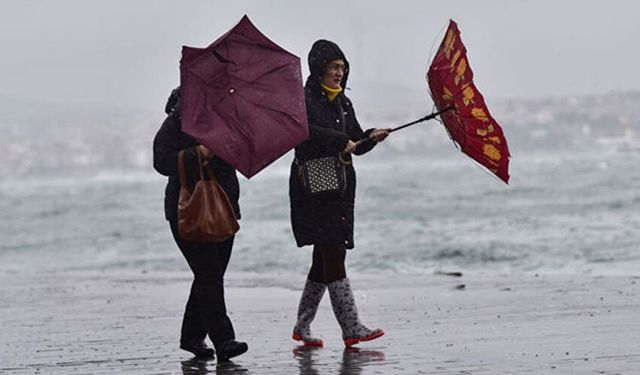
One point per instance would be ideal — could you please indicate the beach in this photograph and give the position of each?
(78, 322)
(549, 279)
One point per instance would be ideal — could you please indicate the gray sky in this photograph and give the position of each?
(126, 53)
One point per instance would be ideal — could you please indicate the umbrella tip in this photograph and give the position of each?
(245, 18)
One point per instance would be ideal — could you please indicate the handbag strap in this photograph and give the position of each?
(344, 130)
(202, 167)
(181, 171)
(199, 156)
(342, 118)
(183, 174)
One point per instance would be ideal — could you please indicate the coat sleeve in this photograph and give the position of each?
(367, 145)
(166, 146)
(332, 139)
(356, 133)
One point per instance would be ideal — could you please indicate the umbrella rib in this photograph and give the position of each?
(192, 74)
(279, 67)
(463, 56)
(433, 43)
(486, 170)
(270, 109)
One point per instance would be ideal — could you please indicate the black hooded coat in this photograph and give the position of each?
(326, 219)
(170, 140)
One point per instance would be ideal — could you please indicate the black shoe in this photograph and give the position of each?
(199, 349)
(230, 349)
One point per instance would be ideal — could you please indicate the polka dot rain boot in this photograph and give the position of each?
(344, 307)
(309, 301)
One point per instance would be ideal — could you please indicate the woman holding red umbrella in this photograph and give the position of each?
(326, 220)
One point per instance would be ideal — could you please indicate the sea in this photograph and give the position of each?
(563, 212)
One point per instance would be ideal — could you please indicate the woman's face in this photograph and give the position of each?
(333, 73)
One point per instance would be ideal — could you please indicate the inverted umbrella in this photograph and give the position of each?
(462, 108)
(468, 121)
(242, 97)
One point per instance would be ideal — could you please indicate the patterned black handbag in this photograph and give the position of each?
(323, 176)
(326, 175)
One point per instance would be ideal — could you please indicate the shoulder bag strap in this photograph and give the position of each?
(205, 166)
(200, 169)
(181, 172)
(342, 119)
(344, 161)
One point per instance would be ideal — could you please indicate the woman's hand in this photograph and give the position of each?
(350, 148)
(205, 152)
(378, 135)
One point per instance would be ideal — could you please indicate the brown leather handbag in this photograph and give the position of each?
(205, 213)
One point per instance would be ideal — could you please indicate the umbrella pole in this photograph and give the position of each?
(425, 118)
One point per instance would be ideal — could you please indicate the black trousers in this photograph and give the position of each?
(206, 311)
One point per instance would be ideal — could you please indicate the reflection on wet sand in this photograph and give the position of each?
(354, 360)
(196, 366)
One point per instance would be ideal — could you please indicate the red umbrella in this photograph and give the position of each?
(242, 97)
(462, 109)
(464, 112)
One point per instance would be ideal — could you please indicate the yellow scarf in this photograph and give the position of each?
(331, 93)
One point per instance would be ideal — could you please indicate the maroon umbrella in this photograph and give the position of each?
(242, 97)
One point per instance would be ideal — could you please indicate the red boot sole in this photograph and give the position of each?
(351, 342)
(315, 344)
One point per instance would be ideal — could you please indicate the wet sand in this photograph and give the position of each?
(128, 323)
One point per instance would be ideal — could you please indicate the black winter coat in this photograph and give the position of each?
(325, 219)
(167, 143)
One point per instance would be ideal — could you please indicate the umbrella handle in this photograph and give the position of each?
(344, 161)
(425, 118)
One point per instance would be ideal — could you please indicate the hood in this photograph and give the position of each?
(321, 53)
(173, 103)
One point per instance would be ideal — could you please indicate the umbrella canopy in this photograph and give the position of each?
(242, 97)
(466, 116)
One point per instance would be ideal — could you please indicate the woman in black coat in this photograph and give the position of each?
(326, 220)
(205, 312)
